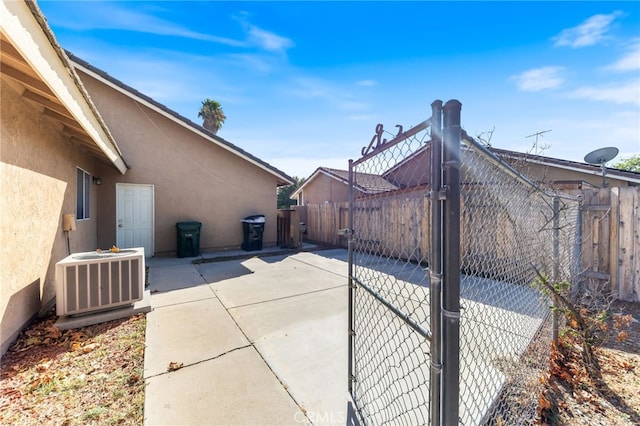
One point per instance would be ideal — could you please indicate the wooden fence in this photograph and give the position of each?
(324, 222)
(611, 241)
(610, 234)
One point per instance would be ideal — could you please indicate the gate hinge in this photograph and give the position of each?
(345, 231)
(440, 195)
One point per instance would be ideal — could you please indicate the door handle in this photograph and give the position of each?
(119, 225)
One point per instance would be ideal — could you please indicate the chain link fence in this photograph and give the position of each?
(415, 357)
(510, 231)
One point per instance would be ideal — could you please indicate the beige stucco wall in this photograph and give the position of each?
(324, 188)
(193, 178)
(37, 186)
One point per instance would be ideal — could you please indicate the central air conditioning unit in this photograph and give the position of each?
(95, 281)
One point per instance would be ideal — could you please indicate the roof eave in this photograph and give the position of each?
(563, 164)
(24, 25)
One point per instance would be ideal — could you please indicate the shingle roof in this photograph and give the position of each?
(365, 182)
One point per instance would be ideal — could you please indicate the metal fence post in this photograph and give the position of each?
(451, 264)
(435, 264)
(577, 259)
(556, 263)
(351, 329)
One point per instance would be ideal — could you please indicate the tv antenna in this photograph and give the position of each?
(536, 134)
(600, 157)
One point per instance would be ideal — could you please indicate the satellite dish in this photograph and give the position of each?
(600, 157)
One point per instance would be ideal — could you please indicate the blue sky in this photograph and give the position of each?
(303, 84)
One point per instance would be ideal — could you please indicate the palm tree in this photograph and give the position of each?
(211, 112)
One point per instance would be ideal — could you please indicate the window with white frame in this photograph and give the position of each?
(83, 201)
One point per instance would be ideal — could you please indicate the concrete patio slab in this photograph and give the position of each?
(185, 295)
(173, 276)
(328, 260)
(218, 271)
(189, 333)
(294, 275)
(264, 342)
(303, 339)
(234, 389)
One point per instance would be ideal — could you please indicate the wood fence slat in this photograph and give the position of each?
(614, 241)
(629, 245)
(635, 268)
(604, 197)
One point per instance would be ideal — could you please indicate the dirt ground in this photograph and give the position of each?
(88, 376)
(574, 397)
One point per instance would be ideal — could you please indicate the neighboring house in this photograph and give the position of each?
(332, 185)
(566, 174)
(60, 122)
(547, 171)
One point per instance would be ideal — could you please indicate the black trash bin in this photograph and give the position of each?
(188, 239)
(252, 227)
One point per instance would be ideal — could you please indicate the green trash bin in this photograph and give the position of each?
(188, 239)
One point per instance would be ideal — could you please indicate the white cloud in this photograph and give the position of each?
(629, 62)
(268, 40)
(262, 38)
(622, 93)
(113, 16)
(538, 79)
(367, 83)
(590, 32)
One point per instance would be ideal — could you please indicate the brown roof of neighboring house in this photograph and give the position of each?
(283, 178)
(590, 169)
(366, 183)
(569, 165)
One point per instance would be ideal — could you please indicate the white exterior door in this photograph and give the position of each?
(134, 216)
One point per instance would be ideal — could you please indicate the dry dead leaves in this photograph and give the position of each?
(572, 396)
(92, 375)
(173, 366)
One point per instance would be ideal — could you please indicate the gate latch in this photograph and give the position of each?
(345, 231)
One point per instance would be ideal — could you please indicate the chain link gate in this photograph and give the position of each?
(395, 372)
(445, 243)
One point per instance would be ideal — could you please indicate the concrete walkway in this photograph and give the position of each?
(260, 341)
